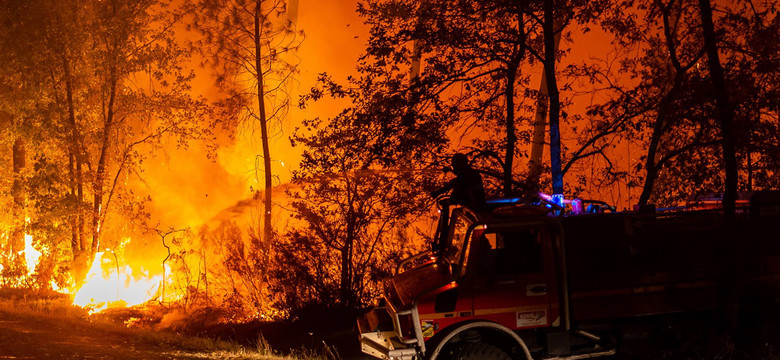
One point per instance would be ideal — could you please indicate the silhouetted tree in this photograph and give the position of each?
(356, 219)
(678, 23)
(750, 53)
(471, 57)
(246, 44)
(725, 111)
(660, 97)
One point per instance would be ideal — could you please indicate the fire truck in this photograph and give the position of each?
(518, 280)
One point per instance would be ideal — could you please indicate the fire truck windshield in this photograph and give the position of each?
(456, 239)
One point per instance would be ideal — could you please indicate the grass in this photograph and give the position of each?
(54, 307)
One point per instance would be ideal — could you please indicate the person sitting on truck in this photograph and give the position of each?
(467, 188)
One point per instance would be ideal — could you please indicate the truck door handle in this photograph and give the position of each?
(537, 290)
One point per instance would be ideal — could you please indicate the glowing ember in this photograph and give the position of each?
(115, 287)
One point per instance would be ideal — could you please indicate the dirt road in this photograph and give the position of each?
(39, 337)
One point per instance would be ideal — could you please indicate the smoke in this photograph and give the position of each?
(188, 188)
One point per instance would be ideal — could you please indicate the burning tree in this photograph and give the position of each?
(247, 44)
(19, 83)
(110, 88)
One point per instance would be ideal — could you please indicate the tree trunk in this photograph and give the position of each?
(725, 111)
(540, 122)
(267, 233)
(509, 94)
(18, 194)
(98, 187)
(79, 245)
(733, 260)
(554, 96)
(651, 170)
(75, 243)
(345, 287)
(414, 69)
(511, 137)
(665, 105)
(292, 11)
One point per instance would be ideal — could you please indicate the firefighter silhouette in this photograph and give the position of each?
(467, 188)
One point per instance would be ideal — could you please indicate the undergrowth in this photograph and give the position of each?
(56, 307)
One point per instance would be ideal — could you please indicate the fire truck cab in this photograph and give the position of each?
(517, 280)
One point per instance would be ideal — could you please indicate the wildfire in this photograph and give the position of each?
(107, 284)
(31, 255)
(115, 286)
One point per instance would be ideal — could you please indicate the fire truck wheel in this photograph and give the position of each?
(482, 351)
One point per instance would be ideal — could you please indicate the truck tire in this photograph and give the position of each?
(482, 351)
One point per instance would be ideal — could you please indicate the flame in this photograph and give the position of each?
(57, 288)
(115, 287)
(31, 255)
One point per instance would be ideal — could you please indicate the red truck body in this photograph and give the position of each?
(513, 274)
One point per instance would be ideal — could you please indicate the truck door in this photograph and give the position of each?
(512, 277)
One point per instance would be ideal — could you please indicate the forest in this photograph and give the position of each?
(117, 117)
